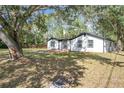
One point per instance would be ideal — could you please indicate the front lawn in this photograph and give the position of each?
(40, 67)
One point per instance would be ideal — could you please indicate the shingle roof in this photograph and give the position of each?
(83, 33)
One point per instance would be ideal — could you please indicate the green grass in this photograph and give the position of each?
(41, 67)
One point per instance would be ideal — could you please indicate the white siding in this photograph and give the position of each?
(106, 45)
(61, 45)
(109, 46)
(97, 44)
(72, 44)
(58, 44)
(49, 44)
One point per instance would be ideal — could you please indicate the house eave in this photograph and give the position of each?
(84, 33)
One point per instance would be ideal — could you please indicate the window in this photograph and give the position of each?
(79, 43)
(90, 43)
(52, 43)
(64, 43)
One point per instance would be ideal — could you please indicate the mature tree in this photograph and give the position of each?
(12, 20)
(105, 20)
(66, 23)
(112, 22)
(34, 31)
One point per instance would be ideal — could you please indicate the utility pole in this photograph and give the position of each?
(103, 42)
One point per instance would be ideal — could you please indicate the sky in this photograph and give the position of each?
(48, 11)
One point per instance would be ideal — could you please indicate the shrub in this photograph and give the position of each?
(2, 45)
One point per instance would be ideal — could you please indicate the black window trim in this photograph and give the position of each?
(65, 44)
(52, 44)
(79, 44)
(90, 44)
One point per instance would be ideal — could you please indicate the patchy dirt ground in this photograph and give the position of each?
(40, 67)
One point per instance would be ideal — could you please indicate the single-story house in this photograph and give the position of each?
(85, 41)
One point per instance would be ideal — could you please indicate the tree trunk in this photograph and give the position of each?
(119, 42)
(16, 38)
(122, 42)
(13, 47)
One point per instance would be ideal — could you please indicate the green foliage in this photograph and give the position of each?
(66, 23)
(34, 32)
(33, 27)
(14, 18)
(2, 45)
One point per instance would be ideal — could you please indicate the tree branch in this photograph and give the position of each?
(27, 14)
(5, 24)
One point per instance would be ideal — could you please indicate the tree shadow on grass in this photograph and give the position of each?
(40, 72)
(63, 63)
(109, 61)
(62, 68)
(102, 60)
(120, 54)
(43, 68)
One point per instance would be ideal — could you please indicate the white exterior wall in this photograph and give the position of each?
(106, 45)
(61, 45)
(58, 44)
(97, 44)
(72, 44)
(49, 44)
(109, 46)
